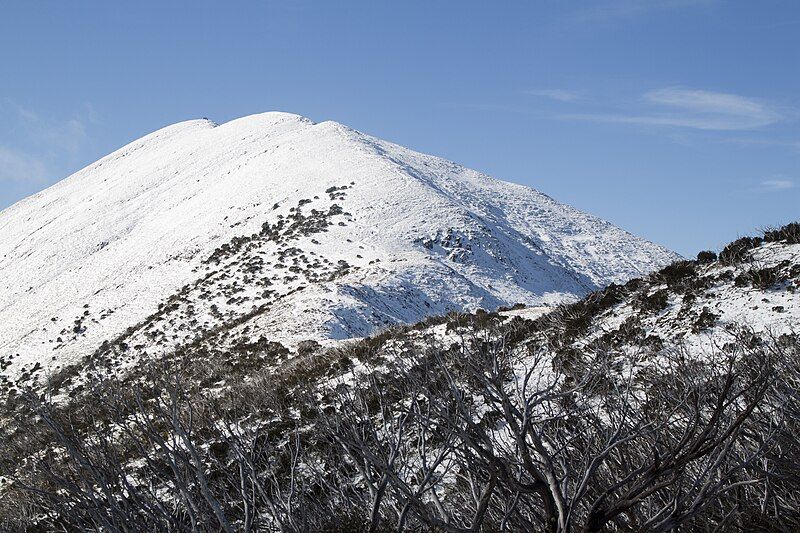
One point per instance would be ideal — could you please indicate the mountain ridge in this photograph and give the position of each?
(403, 234)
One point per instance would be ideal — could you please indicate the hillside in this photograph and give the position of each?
(667, 402)
(275, 224)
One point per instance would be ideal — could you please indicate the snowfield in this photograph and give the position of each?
(277, 225)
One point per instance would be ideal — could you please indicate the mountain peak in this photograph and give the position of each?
(268, 120)
(293, 229)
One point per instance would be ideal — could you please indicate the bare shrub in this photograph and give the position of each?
(490, 433)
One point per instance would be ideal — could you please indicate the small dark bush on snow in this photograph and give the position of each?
(706, 256)
(736, 251)
(790, 233)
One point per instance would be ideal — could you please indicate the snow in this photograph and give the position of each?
(769, 311)
(96, 254)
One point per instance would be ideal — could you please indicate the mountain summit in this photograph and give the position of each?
(274, 226)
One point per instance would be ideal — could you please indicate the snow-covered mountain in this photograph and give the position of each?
(277, 225)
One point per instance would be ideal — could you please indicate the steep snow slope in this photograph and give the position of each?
(272, 223)
(748, 297)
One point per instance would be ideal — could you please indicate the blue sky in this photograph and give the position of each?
(678, 120)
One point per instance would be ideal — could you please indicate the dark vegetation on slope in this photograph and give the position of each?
(218, 291)
(618, 431)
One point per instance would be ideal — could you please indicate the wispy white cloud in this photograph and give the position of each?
(34, 145)
(697, 109)
(766, 142)
(776, 184)
(620, 10)
(737, 112)
(67, 135)
(19, 167)
(562, 95)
